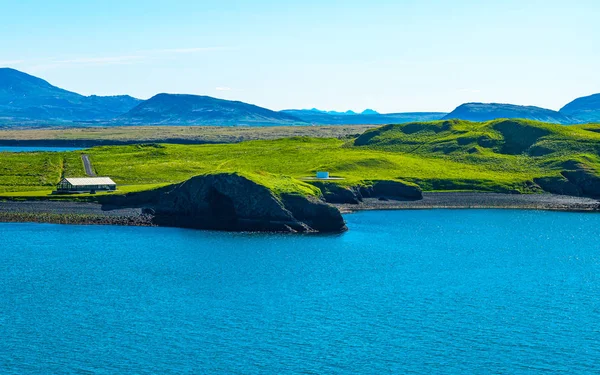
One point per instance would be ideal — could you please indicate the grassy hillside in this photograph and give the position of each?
(500, 137)
(36, 170)
(515, 146)
(296, 157)
(500, 155)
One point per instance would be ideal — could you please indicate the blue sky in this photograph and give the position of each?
(392, 56)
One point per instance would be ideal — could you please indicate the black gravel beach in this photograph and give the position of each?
(479, 200)
(71, 213)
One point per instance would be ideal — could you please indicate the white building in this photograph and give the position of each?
(85, 185)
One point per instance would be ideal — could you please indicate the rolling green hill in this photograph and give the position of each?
(501, 156)
(499, 137)
(569, 157)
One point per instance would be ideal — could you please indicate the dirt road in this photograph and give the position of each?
(88, 165)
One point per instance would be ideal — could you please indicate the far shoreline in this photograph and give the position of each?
(117, 135)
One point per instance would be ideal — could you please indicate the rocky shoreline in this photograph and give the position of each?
(59, 212)
(221, 201)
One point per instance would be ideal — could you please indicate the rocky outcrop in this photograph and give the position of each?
(392, 189)
(397, 189)
(232, 202)
(335, 193)
(576, 180)
(314, 214)
(558, 185)
(388, 189)
(585, 179)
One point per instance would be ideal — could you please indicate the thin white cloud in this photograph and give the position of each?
(474, 91)
(11, 62)
(100, 60)
(189, 50)
(223, 88)
(136, 58)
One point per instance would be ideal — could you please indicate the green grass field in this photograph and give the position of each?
(497, 156)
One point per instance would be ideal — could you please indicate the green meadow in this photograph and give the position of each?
(500, 156)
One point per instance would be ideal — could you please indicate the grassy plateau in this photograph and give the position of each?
(498, 156)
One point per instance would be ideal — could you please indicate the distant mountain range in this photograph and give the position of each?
(25, 99)
(491, 111)
(28, 97)
(586, 109)
(169, 109)
(314, 110)
(368, 117)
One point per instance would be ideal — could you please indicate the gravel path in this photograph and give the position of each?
(87, 165)
(481, 200)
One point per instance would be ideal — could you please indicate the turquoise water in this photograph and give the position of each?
(420, 292)
(37, 148)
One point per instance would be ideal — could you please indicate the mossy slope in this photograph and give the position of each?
(555, 151)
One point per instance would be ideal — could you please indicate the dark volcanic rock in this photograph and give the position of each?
(396, 189)
(235, 203)
(577, 181)
(334, 193)
(558, 185)
(587, 182)
(314, 213)
(337, 194)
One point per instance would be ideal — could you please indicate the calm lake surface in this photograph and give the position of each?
(37, 148)
(421, 292)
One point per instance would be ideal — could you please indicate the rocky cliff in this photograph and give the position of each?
(577, 180)
(383, 189)
(230, 201)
